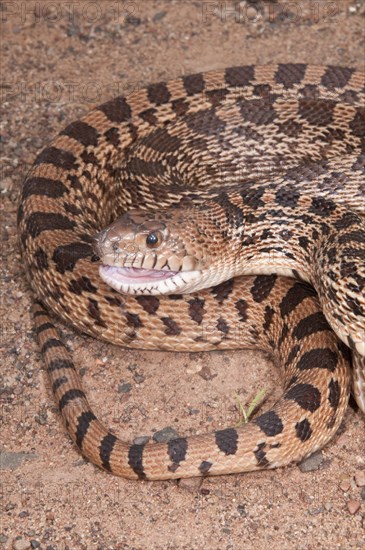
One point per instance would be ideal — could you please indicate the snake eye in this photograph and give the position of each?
(153, 240)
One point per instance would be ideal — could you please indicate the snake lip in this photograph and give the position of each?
(130, 275)
(131, 280)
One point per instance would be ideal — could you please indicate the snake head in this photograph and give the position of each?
(172, 251)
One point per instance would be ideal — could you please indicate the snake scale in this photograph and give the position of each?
(227, 207)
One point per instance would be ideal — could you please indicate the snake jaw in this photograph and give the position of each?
(130, 280)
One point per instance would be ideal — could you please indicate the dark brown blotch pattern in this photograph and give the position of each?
(262, 287)
(223, 290)
(70, 396)
(149, 303)
(257, 111)
(133, 320)
(135, 460)
(289, 74)
(194, 84)
(233, 213)
(309, 111)
(260, 455)
(270, 423)
(336, 77)
(37, 222)
(303, 430)
(172, 328)
(196, 310)
(95, 313)
(205, 122)
(334, 393)
(223, 326)
(177, 449)
(82, 132)
(48, 187)
(59, 363)
(80, 285)
(243, 309)
(41, 259)
(158, 93)
(239, 76)
(59, 382)
(316, 322)
(295, 295)
(83, 424)
(227, 440)
(307, 396)
(105, 449)
(116, 110)
(318, 359)
(66, 256)
(112, 136)
(268, 318)
(56, 157)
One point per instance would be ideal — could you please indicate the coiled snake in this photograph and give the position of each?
(232, 180)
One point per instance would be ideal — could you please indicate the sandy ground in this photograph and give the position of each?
(60, 59)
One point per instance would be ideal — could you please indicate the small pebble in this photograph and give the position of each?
(35, 544)
(141, 440)
(14, 316)
(207, 374)
(159, 15)
(345, 485)
(316, 511)
(21, 544)
(125, 387)
(311, 463)
(134, 21)
(362, 494)
(138, 378)
(42, 417)
(190, 484)
(360, 478)
(242, 510)
(12, 461)
(353, 506)
(165, 435)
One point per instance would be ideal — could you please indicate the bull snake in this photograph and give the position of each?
(218, 186)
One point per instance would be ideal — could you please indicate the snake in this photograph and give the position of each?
(219, 210)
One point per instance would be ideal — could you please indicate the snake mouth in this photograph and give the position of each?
(132, 280)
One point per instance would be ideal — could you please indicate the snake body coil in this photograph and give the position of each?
(242, 178)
